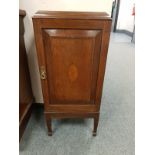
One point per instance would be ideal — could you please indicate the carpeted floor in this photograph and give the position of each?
(116, 124)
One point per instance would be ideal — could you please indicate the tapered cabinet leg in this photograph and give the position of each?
(49, 124)
(96, 120)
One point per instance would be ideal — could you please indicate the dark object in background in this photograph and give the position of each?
(25, 90)
(113, 7)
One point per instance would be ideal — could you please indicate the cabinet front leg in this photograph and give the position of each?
(49, 124)
(96, 120)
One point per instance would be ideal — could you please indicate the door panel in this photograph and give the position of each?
(72, 59)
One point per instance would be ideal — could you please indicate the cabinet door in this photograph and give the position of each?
(72, 61)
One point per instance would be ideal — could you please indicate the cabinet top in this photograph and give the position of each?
(71, 15)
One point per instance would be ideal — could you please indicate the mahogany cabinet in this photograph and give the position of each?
(25, 91)
(72, 50)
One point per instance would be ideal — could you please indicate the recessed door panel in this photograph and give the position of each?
(72, 59)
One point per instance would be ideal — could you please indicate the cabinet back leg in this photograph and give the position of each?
(96, 120)
(49, 124)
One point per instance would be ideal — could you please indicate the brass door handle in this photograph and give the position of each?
(42, 73)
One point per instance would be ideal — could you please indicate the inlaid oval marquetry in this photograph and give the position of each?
(73, 72)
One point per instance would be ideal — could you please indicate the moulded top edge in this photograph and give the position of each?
(71, 15)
